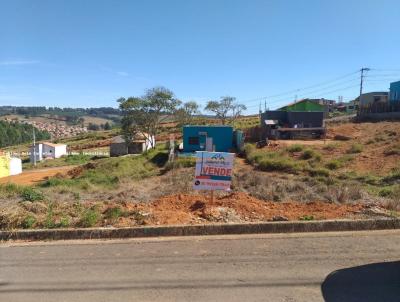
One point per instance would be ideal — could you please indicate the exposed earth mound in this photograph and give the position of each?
(236, 207)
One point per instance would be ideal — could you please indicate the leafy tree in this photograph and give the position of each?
(16, 133)
(93, 127)
(107, 126)
(143, 115)
(184, 115)
(226, 109)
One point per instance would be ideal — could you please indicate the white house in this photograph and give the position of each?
(15, 166)
(47, 150)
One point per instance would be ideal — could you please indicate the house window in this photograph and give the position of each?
(193, 140)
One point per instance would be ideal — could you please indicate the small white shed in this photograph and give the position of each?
(54, 150)
(47, 150)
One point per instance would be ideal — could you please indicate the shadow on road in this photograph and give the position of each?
(367, 283)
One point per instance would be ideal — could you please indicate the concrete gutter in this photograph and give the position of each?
(206, 229)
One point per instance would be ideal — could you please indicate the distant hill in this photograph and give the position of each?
(70, 115)
(16, 133)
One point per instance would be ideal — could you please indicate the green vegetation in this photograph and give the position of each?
(295, 148)
(315, 172)
(330, 147)
(31, 194)
(78, 159)
(271, 161)
(355, 148)
(27, 193)
(246, 123)
(28, 222)
(9, 190)
(16, 133)
(71, 115)
(181, 162)
(338, 163)
(227, 110)
(89, 218)
(279, 164)
(109, 172)
(306, 218)
(113, 213)
(311, 154)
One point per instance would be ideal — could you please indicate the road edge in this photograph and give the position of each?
(204, 229)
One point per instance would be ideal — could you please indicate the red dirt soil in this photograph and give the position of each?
(94, 145)
(32, 177)
(236, 207)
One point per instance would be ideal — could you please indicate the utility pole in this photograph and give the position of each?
(34, 147)
(362, 70)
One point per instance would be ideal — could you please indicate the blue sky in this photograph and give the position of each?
(89, 53)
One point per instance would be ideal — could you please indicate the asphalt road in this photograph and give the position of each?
(351, 266)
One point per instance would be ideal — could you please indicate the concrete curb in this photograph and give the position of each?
(207, 229)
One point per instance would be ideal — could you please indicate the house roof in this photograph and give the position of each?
(53, 145)
(120, 139)
(306, 101)
(207, 126)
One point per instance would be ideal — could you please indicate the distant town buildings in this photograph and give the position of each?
(369, 98)
(56, 130)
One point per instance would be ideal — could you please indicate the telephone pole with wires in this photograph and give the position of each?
(34, 146)
(362, 70)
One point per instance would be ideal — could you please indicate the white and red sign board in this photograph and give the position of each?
(213, 171)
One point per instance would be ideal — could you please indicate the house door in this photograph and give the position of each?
(209, 144)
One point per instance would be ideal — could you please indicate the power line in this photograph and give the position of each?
(310, 94)
(364, 79)
(382, 75)
(374, 69)
(301, 89)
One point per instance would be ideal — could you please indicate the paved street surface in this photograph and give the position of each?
(294, 267)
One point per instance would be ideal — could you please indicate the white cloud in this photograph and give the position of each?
(18, 62)
(122, 73)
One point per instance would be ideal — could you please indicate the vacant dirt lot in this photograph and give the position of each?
(32, 177)
(237, 207)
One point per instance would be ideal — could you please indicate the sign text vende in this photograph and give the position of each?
(213, 170)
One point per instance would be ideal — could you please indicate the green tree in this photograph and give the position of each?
(15, 133)
(226, 109)
(93, 127)
(107, 126)
(184, 115)
(144, 114)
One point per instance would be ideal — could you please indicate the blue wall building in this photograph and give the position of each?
(394, 92)
(211, 138)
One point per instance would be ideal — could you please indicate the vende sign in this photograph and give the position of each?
(213, 171)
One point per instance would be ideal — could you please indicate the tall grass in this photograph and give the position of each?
(109, 172)
(271, 161)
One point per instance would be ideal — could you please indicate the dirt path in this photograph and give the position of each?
(31, 177)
